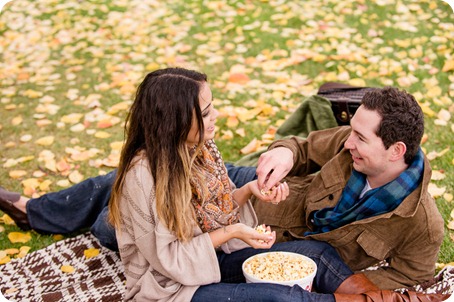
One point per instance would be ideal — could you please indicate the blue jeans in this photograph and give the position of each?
(331, 272)
(84, 206)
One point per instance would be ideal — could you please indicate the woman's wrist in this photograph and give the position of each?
(231, 231)
(242, 195)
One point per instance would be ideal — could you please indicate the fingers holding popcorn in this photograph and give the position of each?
(277, 193)
(265, 238)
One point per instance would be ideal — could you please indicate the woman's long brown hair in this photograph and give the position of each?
(158, 124)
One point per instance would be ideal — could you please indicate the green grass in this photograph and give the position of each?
(63, 45)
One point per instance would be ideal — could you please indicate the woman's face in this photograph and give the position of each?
(209, 115)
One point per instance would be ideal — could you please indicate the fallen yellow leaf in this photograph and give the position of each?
(435, 191)
(123, 106)
(58, 237)
(15, 174)
(64, 183)
(451, 225)
(5, 260)
(16, 121)
(437, 175)
(7, 220)
(11, 251)
(427, 110)
(239, 78)
(72, 118)
(16, 237)
(44, 186)
(232, 122)
(449, 65)
(357, 82)
(102, 134)
(45, 141)
(25, 158)
(241, 132)
(77, 128)
(104, 124)
(62, 165)
(251, 147)
(23, 251)
(33, 94)
(26, 138)
(75, 177)
(116, 145)
(67, 269)
(227, 135)
(91, 252)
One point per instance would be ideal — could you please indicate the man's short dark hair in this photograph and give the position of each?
(402, 118)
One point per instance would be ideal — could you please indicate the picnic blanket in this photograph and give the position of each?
(38, 276)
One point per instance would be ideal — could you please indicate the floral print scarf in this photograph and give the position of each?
(217, 208)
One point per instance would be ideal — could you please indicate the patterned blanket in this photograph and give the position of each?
(39, 277)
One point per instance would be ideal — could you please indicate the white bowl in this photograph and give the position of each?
(256, 269)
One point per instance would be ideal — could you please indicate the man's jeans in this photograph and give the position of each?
(84, 205)
(331, 272)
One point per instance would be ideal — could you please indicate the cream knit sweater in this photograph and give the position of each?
(158, 267)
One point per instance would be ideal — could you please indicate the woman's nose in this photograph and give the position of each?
(216, 114)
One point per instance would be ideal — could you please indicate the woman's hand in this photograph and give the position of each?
(276, 194)
(256, 239)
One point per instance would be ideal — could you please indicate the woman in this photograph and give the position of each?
(183, 231)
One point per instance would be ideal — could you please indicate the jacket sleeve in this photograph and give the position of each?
(310, 154)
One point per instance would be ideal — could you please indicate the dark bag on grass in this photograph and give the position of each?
(344, 98)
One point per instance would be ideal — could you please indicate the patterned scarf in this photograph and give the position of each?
(216, 208)
(375, 202)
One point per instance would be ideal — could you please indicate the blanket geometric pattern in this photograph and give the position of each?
(38, 276)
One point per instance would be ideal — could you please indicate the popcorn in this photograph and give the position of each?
(265, 193)
(278, 266)
(262, 230)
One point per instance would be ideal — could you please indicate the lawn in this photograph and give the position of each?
(69, 70)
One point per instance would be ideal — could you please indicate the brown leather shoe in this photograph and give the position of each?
(19, 217)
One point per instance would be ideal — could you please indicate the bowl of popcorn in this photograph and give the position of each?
(281, 268)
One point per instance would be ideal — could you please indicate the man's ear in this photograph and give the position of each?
(398, 151)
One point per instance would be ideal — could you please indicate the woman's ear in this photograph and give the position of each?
(398, 151)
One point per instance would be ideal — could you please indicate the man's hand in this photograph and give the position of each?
(275, 195)
(273, 166)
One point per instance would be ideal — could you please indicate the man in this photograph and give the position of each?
(363, 189)
(380, 145)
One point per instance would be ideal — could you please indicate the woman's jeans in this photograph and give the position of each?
(331, 272)
(84, 205)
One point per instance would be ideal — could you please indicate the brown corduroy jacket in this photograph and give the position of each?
(408, 238)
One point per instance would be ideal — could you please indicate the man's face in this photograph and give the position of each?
(368, 152)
